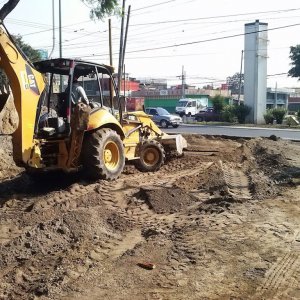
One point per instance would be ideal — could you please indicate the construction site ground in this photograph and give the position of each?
(221, 222)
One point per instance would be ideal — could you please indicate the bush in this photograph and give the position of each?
(227, 114)
(241, 112)
(218, 103)
(275, 114)
(278, 114)
(268, 116)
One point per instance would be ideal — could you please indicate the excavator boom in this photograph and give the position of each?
(27, 86)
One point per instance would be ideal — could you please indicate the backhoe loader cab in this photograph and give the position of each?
(80, 129)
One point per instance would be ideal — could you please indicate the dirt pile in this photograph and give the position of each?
(217, 224)
(8, 169)
(9, 119)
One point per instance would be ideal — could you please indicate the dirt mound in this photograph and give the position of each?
(9, 119)
(166, 200)
(8, 169)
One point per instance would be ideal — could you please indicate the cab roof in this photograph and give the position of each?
(62, 66)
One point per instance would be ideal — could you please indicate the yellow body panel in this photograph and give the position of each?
(101, 117)
(27, 85)
(132, 137)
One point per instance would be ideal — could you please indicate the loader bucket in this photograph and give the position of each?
(8, 115)
(175, 143)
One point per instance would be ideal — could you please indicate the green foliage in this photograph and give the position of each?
(298, 114)
(241, 112)
(233, 113)
(268, 116)
(227, 114)
(295, 58)
(33, 54)
(275, 114)
(101, 8)
(278, 114)
(289, 121)
(234, 81)
(218, 103)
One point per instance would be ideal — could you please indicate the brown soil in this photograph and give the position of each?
(222, 222)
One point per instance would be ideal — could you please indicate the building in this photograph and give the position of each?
(277, 98)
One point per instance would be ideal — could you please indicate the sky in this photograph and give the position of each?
(203, 37)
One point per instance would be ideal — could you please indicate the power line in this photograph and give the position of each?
(213, 39)
(153, 5)
(215, 17)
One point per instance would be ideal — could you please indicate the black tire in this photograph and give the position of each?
(181, 114)
(189, 114)
(103, 155)
(152, 156)
(175, 126)
(199, 119)
(164, 123)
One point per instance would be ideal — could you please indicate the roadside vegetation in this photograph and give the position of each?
(237, 114)
(232, 113)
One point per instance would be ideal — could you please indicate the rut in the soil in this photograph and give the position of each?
(60, 231)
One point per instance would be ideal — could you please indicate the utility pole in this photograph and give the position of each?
(110, 43)
(60, 44)
(240, 79)
(276, 95)
(53, 30)
(182, 84)
(120, 68)
(126, 33)
(182, 77)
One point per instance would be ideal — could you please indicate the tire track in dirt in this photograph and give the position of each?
(278, 278)
(237, 183)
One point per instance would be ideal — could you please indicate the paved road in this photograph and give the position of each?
(290, 134)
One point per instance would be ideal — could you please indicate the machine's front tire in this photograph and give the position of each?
(175, 126)
(152, 156)
(103, 155)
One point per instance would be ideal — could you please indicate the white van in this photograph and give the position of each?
(190, 106)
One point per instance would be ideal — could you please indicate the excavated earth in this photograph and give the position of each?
(221, 222)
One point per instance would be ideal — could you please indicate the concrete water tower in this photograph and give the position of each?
(255, 70)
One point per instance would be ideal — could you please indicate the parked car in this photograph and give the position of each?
(163, 118)
(208, 114)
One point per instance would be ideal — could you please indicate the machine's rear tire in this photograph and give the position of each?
(103, 155)
(152, 156)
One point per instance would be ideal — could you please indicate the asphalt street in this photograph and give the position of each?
(290, 134)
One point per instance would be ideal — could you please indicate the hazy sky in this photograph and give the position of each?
(165, 35)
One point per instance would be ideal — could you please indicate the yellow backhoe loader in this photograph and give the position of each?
(56, 133)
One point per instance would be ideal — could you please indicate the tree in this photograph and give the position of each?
(295, 57)
(218, 103)
(233, 83)
(33, 55)
(99, 8)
